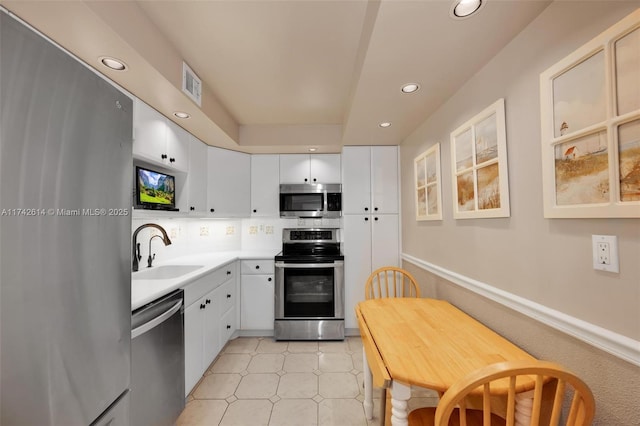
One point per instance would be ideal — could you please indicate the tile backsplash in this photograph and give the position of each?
(193, 236)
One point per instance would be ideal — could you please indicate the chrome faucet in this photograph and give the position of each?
(136, 246)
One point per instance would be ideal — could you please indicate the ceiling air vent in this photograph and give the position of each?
(191, 84)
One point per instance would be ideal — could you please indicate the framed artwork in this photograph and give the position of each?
(428, 190)
(590, 127)
(479, 166)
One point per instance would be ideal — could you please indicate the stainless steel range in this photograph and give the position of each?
(309, 286)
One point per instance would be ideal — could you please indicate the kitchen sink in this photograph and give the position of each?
(165, 272)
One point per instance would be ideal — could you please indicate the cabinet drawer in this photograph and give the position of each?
(227, 296)
(250, 267)
(198, 288)
(227, 326)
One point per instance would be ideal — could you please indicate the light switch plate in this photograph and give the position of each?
(605, 253)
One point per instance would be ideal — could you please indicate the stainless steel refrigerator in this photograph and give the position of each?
(65, 173)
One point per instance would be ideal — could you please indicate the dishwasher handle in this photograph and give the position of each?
(156, 321)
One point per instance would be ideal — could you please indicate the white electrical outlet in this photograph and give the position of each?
(231, 230)
(605, 253)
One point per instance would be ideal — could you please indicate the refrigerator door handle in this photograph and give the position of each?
(156, 321)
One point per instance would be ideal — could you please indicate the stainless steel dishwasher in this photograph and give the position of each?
(157, 361)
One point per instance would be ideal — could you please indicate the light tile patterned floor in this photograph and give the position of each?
(258, 381)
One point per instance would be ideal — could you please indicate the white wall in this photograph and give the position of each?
(546, 261)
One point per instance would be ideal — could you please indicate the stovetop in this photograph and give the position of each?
(310, 245)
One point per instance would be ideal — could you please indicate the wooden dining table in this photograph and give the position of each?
(423, 342)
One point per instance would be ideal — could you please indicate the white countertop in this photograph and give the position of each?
(145, 291)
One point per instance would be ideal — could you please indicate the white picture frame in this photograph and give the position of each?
(480, 177)
(428, 187)
(590, 127)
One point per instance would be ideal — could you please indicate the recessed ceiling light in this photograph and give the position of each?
(181, 114)
(384, 124)
(461, 9)
(113, 63)
(410, 87)
(313, 149)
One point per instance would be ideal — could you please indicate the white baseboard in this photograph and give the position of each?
(613, 343)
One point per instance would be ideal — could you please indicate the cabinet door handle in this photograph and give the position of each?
(202, 306)
(228, 296)
(172, 160)
(366, 209)
(207, 301)
(212, 210)
(255, 210)
(375, 218)
(314, 179)
(375, 209)
(269, 279)
(192, 208)
(366, 219)
(163, 156)
(306, 180)
(257, 266)
(228, 272)
(228, 326)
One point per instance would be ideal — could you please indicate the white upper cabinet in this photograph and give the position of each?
(197, 177)
(325, 168)
(177, 146)
(314, 168)
(265, 189)
(356, 180)
(228, 183)
(370, 180)
(157, 139)
(384, 179)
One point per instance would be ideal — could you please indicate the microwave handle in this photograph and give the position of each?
(325, 203)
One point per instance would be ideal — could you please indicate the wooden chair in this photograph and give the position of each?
(390, 281)
(551, 382)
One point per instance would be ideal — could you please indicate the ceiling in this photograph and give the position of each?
(283, 76)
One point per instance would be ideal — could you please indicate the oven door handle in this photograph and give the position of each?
(307, 265)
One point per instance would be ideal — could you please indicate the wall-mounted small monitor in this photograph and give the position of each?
(155, 190)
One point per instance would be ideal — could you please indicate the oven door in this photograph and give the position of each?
(309, 290)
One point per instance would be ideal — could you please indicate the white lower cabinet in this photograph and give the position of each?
(257, 295)
(209, 320)
(370, 241)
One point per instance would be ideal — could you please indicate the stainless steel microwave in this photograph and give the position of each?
(311, 200)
